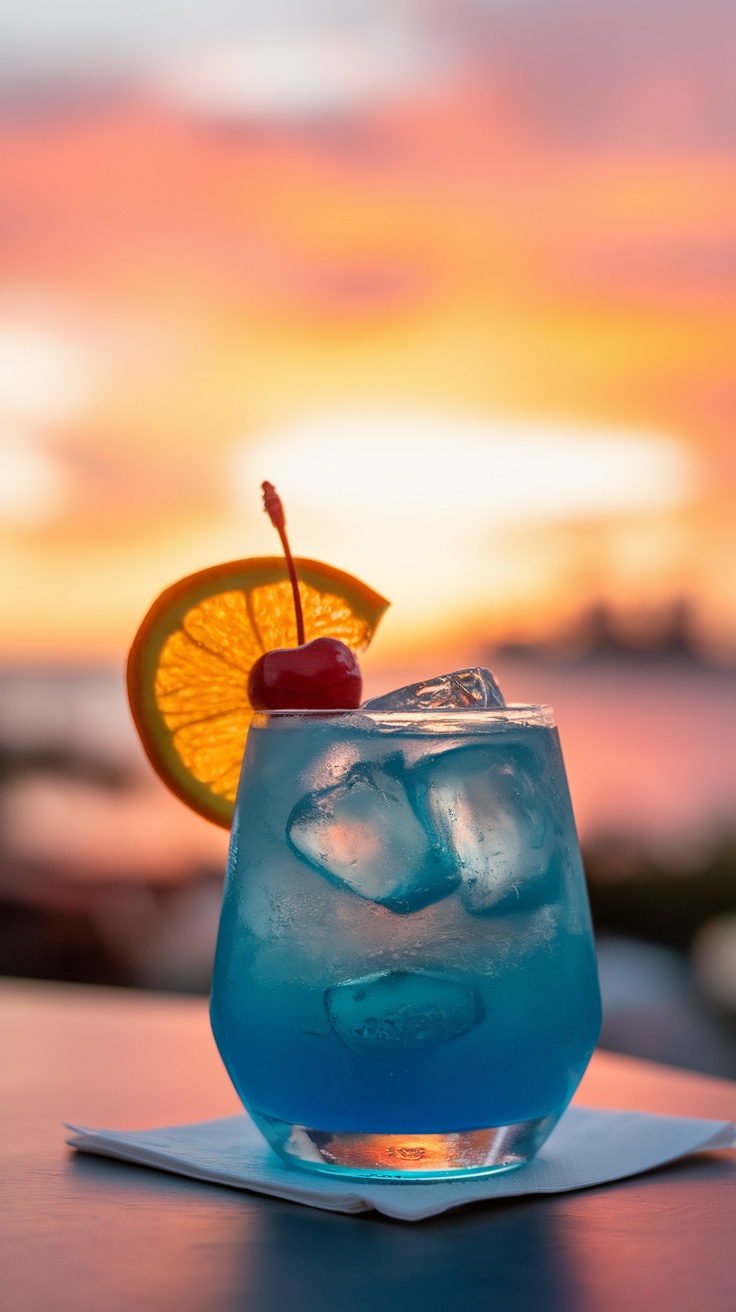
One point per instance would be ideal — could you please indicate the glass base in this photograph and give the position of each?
(411, 1157)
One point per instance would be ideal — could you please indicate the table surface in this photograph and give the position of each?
(85, 1233)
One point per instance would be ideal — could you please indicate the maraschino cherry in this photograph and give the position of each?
(320, 675)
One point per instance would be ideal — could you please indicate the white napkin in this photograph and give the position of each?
(587, 1147)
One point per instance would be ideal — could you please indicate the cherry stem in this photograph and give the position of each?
(273, 507)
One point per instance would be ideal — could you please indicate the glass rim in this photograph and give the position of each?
(539, 714)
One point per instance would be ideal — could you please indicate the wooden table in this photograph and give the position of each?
(84, 1234)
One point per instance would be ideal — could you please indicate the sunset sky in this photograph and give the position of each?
(481, 334)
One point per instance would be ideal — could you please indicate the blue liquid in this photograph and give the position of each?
(405, 943)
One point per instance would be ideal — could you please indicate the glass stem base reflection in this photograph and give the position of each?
(411, 1157)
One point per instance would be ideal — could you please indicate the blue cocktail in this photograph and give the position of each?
(405, 982)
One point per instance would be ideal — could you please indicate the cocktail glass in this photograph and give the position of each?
(405, 983)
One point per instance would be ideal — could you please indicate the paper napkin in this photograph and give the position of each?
(587, 1147)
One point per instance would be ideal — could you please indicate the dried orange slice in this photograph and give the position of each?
(190, 660)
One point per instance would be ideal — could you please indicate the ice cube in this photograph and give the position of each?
(474, 689)
(364, 834)
(383, 1015)
(493, 823)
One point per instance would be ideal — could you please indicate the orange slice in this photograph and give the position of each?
(190, 660)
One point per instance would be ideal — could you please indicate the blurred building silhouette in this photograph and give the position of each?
(601, 634)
